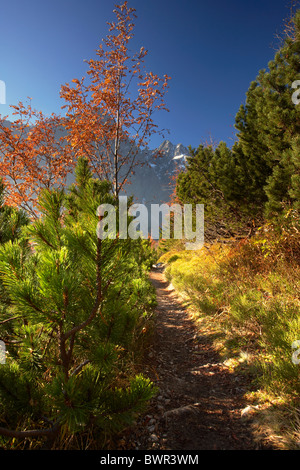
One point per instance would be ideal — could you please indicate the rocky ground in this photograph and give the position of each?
(200, 404)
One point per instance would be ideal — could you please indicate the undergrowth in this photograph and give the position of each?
(249, 291)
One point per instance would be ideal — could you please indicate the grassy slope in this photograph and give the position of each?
(247, 295)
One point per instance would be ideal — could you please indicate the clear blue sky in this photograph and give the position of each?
(212, 49)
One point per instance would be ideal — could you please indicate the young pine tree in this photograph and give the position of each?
(74, 310)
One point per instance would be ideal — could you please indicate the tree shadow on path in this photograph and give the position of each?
(200, 400)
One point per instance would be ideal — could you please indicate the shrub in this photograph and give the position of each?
(76, 307)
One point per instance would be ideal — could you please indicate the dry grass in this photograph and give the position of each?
(250, 291)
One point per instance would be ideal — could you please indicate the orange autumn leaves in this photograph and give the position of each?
(116, 105)
(32, 156)
(109, 116)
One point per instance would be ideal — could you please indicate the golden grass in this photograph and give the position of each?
(249, 292)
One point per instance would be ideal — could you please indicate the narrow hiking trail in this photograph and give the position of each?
(199, 404)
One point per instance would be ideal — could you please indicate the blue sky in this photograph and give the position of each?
(211, 49)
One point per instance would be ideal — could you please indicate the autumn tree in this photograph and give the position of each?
(107, 120)
(110, 113)
(33, 156)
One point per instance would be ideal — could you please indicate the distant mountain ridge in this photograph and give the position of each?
(151, 182)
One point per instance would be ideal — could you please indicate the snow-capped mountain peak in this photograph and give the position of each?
(165, 159)
(153, 182)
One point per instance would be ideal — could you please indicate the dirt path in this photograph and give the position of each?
(199, 403)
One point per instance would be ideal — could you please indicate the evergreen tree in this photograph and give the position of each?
(269, 124)
(259, 177)
(217, 179)
(11, 219)
(250, 149)
(76, 306)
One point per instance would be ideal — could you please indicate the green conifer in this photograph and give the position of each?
(74, 311)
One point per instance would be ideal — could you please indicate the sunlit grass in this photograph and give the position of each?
(249, 292)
